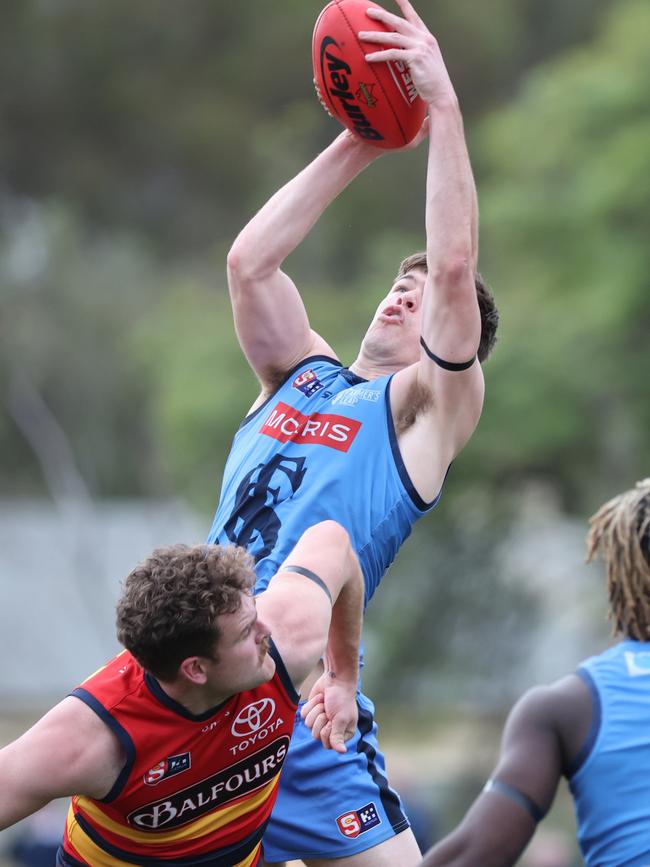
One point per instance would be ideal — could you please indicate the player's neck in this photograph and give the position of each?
(195, 699)
(367, 369)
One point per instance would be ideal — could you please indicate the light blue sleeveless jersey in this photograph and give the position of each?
(611, 786)
(323, 446)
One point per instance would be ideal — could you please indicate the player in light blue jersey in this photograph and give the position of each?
(368, 445)
(592, 727)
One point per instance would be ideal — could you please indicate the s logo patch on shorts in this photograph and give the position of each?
(355, 822)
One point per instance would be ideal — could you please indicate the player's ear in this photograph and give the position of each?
(194, 669)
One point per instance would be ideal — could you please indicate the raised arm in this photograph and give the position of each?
(270, 318)
(450, 322)
(541, 738)
(68, 751)
(316, 602)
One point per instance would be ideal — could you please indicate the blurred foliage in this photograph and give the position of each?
(176, 119)
(69, 302)
(564, 241)
(135, 141)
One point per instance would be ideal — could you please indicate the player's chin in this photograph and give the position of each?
(268, 667)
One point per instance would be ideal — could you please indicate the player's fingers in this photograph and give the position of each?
(381, 37)
(325, 733)
(389, 54)
(313, 715)
(321, 723)
(338, 737)
(395, 22)
(314, 699)
(409, 12)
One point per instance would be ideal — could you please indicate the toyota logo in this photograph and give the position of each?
(253, 717)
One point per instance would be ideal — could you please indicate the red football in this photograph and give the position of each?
(376, 101)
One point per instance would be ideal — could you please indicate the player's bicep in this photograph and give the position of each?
(272, 324)
(490, 835)
(451, 319)
(503, 819)
(68, 751)
(298, 611)
(441, 407)
(531, 754)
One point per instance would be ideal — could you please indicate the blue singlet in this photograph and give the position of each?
(323, 446)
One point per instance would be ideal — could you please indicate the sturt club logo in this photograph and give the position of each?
(253, 522)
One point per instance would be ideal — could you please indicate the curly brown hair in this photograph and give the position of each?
(486, 303)
(170, 604)
(620, 534)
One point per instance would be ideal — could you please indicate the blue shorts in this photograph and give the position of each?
(333, 805)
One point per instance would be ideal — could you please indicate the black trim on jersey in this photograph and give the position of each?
(352, 378)
(122, 735)
(594, 728)
(292, 694)
(312, 577)
(518, 797)
(227, 856)
(158, 692)
(418, 502)
(64, 859)
(290, 373)
(446, 365)
(389, 797)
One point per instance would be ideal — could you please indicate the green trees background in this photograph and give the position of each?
(135, 141)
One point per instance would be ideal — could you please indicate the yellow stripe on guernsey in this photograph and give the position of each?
(201, 827)
(92, 854)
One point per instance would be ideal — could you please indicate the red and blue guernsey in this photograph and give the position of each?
(195, 790)
(322, 446)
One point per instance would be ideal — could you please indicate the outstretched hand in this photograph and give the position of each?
(331, 711)
(410, 41)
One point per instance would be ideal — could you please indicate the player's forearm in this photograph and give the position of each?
(461, 850)
(344, 639)
(449, 852)
(451, 203)
(14, 806)
(284, 221)
(17, 798)
(451, 322)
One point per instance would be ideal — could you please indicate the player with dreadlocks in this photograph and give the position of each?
(593, 727)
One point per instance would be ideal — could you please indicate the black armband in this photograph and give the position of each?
(518, 797)
(446, 365)
(312, 577)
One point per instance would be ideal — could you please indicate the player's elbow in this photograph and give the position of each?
(453, 273)
(238, 264)
(331, 535)
(247, 263)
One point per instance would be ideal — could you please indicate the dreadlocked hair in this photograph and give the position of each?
(620, 533)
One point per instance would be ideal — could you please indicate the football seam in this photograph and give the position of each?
(381, 86)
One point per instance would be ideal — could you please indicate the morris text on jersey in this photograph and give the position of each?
(286, 424)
